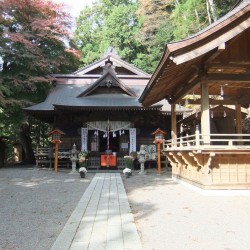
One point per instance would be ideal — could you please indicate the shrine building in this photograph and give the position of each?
(98, 109)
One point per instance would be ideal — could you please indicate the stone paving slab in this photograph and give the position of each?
(102, 219)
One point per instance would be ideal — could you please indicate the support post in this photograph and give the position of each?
(205, 113)
(238, 119)
(56, 157)
(159, 157)
(197, 136)
(173, 124)
(238, 122)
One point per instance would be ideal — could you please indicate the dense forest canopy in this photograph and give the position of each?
(139, 29)
(36, 41)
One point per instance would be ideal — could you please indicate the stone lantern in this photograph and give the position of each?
(73, 159)
(142, 157)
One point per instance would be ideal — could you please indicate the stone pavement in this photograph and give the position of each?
(102, 219)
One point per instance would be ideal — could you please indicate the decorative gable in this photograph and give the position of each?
(108, 83)
(121, 67)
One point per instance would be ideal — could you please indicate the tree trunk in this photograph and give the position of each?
(208, 13)
(29, 157)
(213, 10)
(2, 154)
(197, 18)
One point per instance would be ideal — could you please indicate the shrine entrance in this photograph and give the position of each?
(107, 142)
(113, 144)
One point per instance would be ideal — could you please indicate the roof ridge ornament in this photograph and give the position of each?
(110, 52)
(108, 66)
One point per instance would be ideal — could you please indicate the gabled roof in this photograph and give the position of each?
(98, 86)
(105, 90)
(121, 66)
(221, 52)
(108, 80)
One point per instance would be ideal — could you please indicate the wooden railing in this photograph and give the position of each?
(45, 157)
(199, 141)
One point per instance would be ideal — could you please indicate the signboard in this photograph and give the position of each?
(84, 139)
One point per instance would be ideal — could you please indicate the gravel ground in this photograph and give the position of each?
(35, 205)
(170, 215)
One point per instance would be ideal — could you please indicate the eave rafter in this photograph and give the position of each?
(186, 88)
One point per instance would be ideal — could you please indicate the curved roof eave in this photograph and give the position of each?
(156, 107)
(201, 43)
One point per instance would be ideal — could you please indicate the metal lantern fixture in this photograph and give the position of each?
(159, 137)
(56, 135)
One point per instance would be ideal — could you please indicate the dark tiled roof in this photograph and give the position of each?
(80, 90)
(66, 95)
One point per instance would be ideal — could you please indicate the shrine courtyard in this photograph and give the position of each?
(36, 204)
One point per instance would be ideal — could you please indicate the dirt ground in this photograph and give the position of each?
(170, 215)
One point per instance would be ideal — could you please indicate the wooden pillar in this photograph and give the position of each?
(56, 157)
(173, 121)
(159, 157)
(205, 112)
(238, 119)
(238, 122)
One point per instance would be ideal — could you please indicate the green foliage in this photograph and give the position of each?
(224, 6)
(140, 30)
(128, 161)
(193, 18)
(165, 21)
(33, 41)
(32, 46)
(108, 23)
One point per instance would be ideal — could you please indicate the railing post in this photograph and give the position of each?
(163, 145)
(197, 136)
(181, 141)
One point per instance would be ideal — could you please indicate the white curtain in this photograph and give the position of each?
(132, 140)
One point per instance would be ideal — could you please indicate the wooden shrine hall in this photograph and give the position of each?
(209, 69)
(97, 108)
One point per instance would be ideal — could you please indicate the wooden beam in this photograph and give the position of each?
(220, 49)
(228, 77)
(186, 89)
(211, 102)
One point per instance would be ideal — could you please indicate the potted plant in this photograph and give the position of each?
(127, 172)
(82, 157)
(128, 161)
(82, 171)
